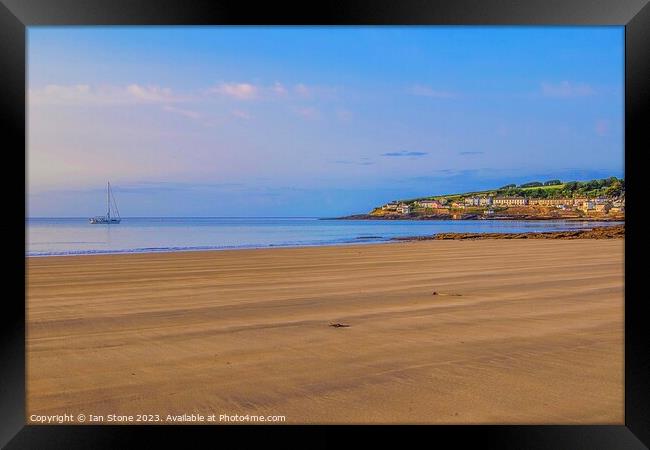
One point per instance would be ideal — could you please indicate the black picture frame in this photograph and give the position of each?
(16, 15)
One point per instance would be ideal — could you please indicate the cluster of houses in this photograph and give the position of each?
(599, 204)
(402, 208)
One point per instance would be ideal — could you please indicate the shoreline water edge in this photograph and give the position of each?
(473, 217)
(613, 231)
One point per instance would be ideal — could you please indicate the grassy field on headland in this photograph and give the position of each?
(609, 187)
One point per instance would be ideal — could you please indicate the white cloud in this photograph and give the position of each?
(150, 93)
(183, 112)
(565, 89)
(427, 91)
(86, 95)
(241, 91)
(279, 89)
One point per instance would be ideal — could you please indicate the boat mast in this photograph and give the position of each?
(115, 208)
(108, 201)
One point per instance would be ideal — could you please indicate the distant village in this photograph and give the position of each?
(600, 199)
(442, 205)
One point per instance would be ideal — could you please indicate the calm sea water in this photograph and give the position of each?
(51, 236)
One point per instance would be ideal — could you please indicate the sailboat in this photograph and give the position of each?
(110, 207)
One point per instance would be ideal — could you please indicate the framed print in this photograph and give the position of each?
(370, 218)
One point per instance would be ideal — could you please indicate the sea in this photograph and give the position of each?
(76, 236)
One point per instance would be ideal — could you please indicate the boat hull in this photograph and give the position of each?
(103, 221)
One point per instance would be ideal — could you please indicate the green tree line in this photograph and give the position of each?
(608, 187)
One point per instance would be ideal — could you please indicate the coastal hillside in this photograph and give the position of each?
(601, 199)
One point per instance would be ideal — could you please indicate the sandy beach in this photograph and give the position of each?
(519, 331)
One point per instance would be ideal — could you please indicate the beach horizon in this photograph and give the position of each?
(75, 236)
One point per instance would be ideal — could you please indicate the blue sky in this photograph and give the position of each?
(313, 121)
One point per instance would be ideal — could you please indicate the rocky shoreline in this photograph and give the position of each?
(613, 232)
(475, 217)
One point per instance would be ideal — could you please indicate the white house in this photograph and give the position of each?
(429, 204)
(472, 201)
(403, 208)
(392, 206)
(510, 201)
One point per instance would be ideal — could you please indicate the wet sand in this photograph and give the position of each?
(520, 331)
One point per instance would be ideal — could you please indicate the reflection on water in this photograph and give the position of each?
(77, 236)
